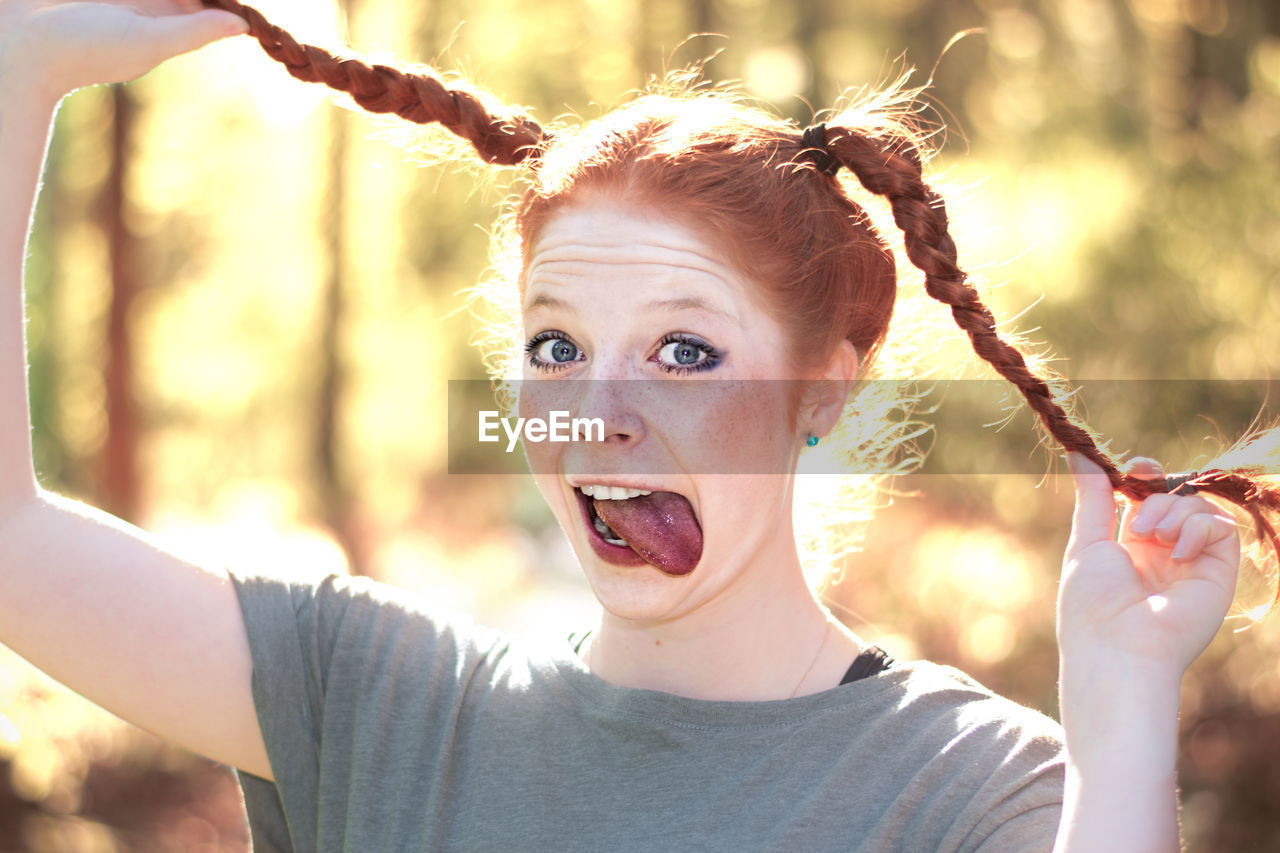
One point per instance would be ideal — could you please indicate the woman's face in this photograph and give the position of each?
(634, 319)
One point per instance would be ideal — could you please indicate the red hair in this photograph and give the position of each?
(738, 177)
(743, 179)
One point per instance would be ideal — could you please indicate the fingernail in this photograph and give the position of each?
(234, 25)
(1141, 524)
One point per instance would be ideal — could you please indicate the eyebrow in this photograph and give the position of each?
(669, 306)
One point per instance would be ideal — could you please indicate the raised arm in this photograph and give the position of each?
(87, 598)
(1133, 614)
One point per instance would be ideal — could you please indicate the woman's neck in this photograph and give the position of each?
(767, 641)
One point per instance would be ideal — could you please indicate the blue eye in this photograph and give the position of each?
(681, 353)
(560, 350)
(552, 351)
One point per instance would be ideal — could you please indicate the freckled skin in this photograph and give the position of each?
(615, 282)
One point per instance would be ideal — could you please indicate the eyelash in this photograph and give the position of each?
(536, 342)
(713, 355)
(713, 359)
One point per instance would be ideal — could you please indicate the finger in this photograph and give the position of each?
(159, 8)
(1198, 533)
(1095, 513)
(171, 35)
(190, 5)
(1166, 526)
(1169, 528)
(1150, 512)
(1144, 468)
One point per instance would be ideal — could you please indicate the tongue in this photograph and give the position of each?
(659, 527)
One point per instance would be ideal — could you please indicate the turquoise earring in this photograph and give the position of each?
(812, 441)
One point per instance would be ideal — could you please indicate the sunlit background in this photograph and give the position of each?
(245, 308)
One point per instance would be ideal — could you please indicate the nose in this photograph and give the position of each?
(614, 401)
(606, 399)
(608, 391)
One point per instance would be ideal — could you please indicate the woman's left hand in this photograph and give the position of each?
(1156, 597)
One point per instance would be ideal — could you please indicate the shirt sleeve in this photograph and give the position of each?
(984, 767)
(1020, 801)
(329, 655)
(1026, 817)
(279, 618)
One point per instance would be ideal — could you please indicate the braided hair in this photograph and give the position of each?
(832, 276)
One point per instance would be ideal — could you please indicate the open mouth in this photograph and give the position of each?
(633, 527)
(606, 532)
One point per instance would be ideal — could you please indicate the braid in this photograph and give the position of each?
(888, 165)
(891, 167)
(500, 135)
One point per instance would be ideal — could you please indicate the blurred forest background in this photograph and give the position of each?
(244, 312)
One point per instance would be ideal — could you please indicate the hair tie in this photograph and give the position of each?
(814, 142)
(1179, 484)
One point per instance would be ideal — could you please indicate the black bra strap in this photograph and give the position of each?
(871, 661)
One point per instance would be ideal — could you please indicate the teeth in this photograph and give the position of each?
(612, 493)
(606, 532)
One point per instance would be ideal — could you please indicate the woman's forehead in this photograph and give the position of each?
(657, 259)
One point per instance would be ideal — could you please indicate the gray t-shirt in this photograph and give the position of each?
(389, 729)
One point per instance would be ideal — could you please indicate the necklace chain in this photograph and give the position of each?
(826, 634)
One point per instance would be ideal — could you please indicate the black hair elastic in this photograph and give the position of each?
(814, 140)
(1178, 484)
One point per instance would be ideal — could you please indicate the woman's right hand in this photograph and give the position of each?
(56, 46)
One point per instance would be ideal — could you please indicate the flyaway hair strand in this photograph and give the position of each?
(501, 135)
(887, 162)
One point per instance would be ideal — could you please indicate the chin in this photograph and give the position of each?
(637, 594)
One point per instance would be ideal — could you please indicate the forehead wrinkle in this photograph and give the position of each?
(554, 274)
(560, 271)
(675, 304)
(628, 247)
(672, 305)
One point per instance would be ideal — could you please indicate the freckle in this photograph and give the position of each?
(657, 642)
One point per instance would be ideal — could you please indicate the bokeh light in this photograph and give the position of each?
(1110, 169)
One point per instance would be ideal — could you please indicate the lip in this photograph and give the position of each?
(617, 555)
(578, 483)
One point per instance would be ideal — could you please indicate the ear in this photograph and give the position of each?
(828, 391)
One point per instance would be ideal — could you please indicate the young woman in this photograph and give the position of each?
(716, 705)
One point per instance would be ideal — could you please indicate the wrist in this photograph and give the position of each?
(1115, 706)
(23, 102)
(1152, 665)
(23, 88)
(1106, 679)
(28, 68)
(1104, 661)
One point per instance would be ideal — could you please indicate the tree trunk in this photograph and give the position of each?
(811, 19)
(120, 492)
(334, 498)
(702, 16)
